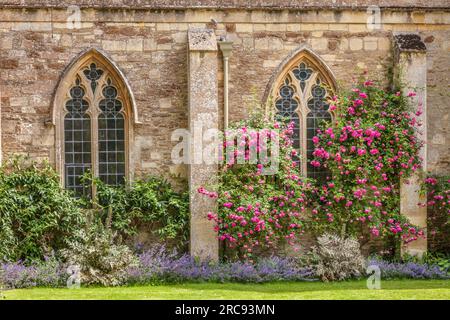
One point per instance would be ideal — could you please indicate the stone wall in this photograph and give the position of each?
(150, 47)
(228, 4)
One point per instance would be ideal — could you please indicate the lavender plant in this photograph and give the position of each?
(47, 273)
(160, 265)
(408, 270)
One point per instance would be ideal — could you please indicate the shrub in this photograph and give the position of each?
(158, 265)
(36, 213)
(370, 146)
(258, 208)
(408, 270)
(441, 260)
(99, 259)
(336, 258)
(146, 201)
(437, 190)
(438, 259)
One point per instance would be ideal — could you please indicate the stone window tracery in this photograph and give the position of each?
(93, 127)
(300, 95)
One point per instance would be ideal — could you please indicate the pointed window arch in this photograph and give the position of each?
(299, 93)
(93, 115)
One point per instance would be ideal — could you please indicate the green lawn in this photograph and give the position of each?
(393, 289)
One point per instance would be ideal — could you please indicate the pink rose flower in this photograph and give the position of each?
(315, 163)
(361, 152)
(228, 204)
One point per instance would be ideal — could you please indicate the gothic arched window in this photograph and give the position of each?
(300, 95)
(94, 113)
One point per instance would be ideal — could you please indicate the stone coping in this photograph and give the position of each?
(230, 4)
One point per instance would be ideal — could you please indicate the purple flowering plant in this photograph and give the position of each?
(408, 270)
(158, 265)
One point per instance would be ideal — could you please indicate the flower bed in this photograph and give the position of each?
(158, 265)
(161, 266)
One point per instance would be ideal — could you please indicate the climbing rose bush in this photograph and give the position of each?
(437, 190)
(369, 147)
(257, 208)
(438, 193)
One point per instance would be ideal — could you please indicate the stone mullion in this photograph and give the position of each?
(311, 82)
(85, 83)
(97, 97)
(302, 120)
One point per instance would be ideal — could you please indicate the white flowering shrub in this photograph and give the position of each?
(99, 258)
(335, 258)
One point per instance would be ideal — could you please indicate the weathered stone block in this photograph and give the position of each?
(384, 44)
(202, 40)
(244, 27)
(319, 44)
(9, 63)
(370, 44)
(262, 44)
(149, 45)
(5, 43)
(114, 45)
(356, 44)
(165, 103)
(134, 45)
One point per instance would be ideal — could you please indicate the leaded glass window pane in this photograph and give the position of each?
(318, 114)
(287, 108)
(77, 140)
(111, 138)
